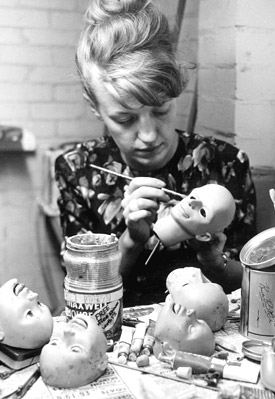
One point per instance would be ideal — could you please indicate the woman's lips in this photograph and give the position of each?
(150, 150)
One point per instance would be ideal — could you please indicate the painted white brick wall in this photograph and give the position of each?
(39, 86)
(236, 57)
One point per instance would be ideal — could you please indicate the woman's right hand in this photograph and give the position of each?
(141, 203)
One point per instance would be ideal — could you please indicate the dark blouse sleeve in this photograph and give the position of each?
(89, 200)
(70, 177)
(217, 161)
(238, 179)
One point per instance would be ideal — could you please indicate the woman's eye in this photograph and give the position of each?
(202, 212)
(126, 122)
(39, 303)
(30, 313)
(161, 112)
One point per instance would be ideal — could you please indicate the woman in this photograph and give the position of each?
(131, 79)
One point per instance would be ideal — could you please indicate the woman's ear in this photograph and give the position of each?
(203, 237)
(97, 113)
(92, 106)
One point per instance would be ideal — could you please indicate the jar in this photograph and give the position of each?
(93, 285)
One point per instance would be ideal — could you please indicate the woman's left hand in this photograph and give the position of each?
(210, 253)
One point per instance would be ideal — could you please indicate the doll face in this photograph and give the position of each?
(24, 321)
(180, 330)
(209, 208)
(75, 355)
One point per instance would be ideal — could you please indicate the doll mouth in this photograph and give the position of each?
(80, 322)
(184, 213)
(18, 288)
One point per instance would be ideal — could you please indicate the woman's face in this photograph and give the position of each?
(24, 321)
(182, 331)
(76, 353)
(145, 135)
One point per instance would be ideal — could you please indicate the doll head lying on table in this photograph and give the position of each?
(24, 321)
(205, 211)
(76, 354)
(190, 288)
(178, 329)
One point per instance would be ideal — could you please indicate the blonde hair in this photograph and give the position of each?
(131, 44)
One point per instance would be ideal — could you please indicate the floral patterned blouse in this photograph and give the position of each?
(90, 200)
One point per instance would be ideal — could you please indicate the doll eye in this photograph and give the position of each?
(76, 349)
(54, 341)
(203, 212)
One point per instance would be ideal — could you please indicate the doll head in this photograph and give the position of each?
(205, 211)
(178, 329)
(75, 355)
(25, 322)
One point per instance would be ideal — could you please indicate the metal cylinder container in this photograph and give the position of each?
(258, 287)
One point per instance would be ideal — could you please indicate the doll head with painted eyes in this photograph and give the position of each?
(25, 322)
(178, 329)
(204, 212)
(76, 354)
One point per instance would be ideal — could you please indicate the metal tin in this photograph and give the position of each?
(93, 285)
(259, 252)
(258, 287)
(253, 349)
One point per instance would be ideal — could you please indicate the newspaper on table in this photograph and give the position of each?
(157, 380)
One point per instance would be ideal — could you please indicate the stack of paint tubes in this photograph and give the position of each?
(136, 343)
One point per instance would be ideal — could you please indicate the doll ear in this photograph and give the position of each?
(203, 237)
(103, 363)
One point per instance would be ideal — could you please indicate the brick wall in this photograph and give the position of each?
(236, 55)
(39, 88)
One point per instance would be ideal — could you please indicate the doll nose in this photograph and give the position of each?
(195, 204)
(69, 333)
(32, 296)
(191, 312)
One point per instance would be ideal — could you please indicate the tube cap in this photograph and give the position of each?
(184, 372)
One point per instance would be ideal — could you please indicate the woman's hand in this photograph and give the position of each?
(210, 253)
(141, 203)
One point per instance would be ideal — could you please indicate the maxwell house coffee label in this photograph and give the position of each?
(105, 306)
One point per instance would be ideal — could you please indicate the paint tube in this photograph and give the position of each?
(149, 339)
(200, 364)
(137, 341)
(125, 344)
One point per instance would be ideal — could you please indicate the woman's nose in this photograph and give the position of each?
(147, 130)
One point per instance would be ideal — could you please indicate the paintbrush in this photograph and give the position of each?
(112, 172)
(272, 196)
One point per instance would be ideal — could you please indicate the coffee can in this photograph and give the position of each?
(257, 317)
(93, 284)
